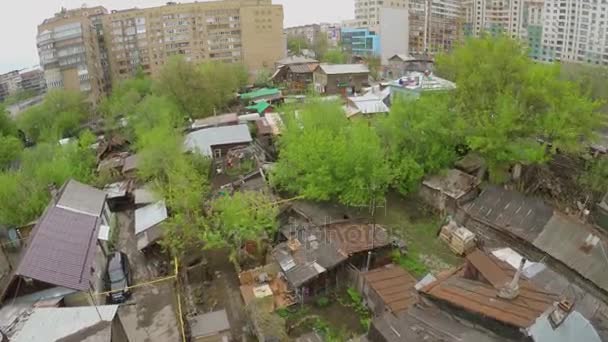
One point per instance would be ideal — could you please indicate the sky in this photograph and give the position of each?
(20, 18)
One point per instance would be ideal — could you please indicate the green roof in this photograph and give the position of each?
(260, 93)
(259, 107)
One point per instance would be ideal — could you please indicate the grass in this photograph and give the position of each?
(412, 221)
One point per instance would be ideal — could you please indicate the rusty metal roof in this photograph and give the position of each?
(394, 285)
(303, 68)
(479, 296)
(353, 238)
(62, 249)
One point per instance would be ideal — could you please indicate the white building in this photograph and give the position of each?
(575, 30)
(394, 32)
(367, 12)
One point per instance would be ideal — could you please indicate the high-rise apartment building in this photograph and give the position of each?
(493, 16)
(247, 31)
(87, 49)
(367, 12)
(16, 81)
(576, 30)
(69, 51)
(434, 25)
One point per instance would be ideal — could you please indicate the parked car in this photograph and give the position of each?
(118, 277)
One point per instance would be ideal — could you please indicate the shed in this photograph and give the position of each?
(389, 288)
(261, 107)
(227, 119)
(365, 105)
(345, 79)
(270, 95)
(210, 327)
(148, 221)
(446, 191)
(216, 141)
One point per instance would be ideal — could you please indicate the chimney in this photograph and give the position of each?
(511, 290)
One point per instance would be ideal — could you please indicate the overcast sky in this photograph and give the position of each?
(19, 19)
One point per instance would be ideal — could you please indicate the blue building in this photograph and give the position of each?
(360, 42)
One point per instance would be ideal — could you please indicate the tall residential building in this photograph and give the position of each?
(310, 32)
(367, 12)
(493, 16)
(16, 81)
(247, 31)
(531, 28)
(576, 30)
(434, 25)
(69, 51)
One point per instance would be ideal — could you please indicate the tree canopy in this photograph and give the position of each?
(198, 89)
(60, 115)
(505, 103)
(324, 156)
(296, 43)
(335, 56)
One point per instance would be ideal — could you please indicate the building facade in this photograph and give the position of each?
(245, 31)
(394, 32)
(434, 25)
(10, 83)
(88, 49)
(367, 12)
(309, 32)
(575, 30)
(360, 42)
(69, 52)
(17, 81)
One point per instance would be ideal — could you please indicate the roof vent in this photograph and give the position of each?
(560, 313)
(511, 290)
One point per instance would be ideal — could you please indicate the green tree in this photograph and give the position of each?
(320, 45)
(60, 115)
(199, 89)
(295, 44)
(374, 63)
(324, 156)
(334, 56)
(421, 137)
(7, 124)
(244, 216)
(123, 101)
(505, 103)
(10, 149)
(595, 178)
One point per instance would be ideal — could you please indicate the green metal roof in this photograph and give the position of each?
(260, 93)
(259, 107)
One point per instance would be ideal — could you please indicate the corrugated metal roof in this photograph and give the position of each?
(149, 216)
(394, 285)
(145, 195)
(353, 238)
(367, 104)
(296, 60)
(479, 297)
(576, 245)
(262, 92)
(521, 215)
(219, 120)
(61, 249)
(205, 139)
(82, 198)
(303, 68)
(336, 69)
(52, 324)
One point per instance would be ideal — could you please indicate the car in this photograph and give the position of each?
(118, 277)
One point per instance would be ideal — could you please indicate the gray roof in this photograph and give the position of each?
(82, 198)
(59, 324)
(576, 245)
(61, 249)
(403, 57)
(296, 60)
(130, 163)
(150, 216)
(219, 120)
(429, 325)
(574, 328)
(145, 195)
(205, 139)
(336, 69)
(454, 183)
(521, 215)
(209, 324)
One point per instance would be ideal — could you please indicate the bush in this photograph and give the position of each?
(322, 302)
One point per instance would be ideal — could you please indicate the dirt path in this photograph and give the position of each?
(149, 316)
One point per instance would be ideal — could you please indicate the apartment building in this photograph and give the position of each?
(69, 52)
(22, 80)
(493, 16)
(310, 32)
(575, 30)
(367, 12)
(247, 31)
(434, 25)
